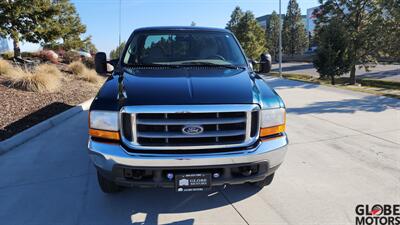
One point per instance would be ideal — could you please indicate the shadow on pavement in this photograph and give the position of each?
(380, 74)
(145, 205)
(368, 104)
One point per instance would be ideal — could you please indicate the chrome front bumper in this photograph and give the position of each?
(105, 156)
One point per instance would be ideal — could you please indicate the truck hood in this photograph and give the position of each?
(185, 86)
(160, 86)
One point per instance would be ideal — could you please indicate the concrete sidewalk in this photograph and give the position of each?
(344, 151)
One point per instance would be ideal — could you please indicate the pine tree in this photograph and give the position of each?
(391, 33)
(363, 21)
(250, 35)
(294, 36)
(332, 57)
(273, 34)
(236, 15)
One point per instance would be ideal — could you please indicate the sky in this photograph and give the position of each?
(101, 17)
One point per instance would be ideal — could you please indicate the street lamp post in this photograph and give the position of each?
(119, 24)
(280, 39)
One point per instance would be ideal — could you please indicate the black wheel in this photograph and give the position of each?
(107, 186)
(267, 181)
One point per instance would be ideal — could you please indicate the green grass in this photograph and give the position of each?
(379, 83)
(372, 86)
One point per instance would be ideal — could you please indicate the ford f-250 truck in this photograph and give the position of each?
(185, 109)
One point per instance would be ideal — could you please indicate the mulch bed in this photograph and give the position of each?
(20, 110)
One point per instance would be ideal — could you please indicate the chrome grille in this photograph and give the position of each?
(161, 127)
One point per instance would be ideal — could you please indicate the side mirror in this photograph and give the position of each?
(100, 61)
(252, 64)
(265, 63)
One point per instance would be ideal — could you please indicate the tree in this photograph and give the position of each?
(294, 35)
(28, 20)
(273, 34)
(391, 33)
(362, 20)
(70, 28)
(236, 15)
(88, 45)
(249, 33)
(114, 54)
(71, 25)
(332, 57)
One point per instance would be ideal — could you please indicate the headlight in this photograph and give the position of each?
(272, 121)
(104, 120)
(103, 124)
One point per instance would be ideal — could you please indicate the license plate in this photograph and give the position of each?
(192, 182)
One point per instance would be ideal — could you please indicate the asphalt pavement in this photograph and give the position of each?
(344, 151)
(390, 72)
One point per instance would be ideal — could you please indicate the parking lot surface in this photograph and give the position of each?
(390, 72)
(344, 151)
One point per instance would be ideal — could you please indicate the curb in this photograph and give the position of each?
(28, 134)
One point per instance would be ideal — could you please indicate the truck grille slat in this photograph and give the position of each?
(181, 135)
(190, 121)
(221, 126)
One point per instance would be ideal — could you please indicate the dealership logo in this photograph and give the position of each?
(378, 214)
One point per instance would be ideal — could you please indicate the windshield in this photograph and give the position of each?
(184, 48)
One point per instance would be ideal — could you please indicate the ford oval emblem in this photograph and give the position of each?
(192, 129)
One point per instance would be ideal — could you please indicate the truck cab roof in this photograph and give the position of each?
(181, 28)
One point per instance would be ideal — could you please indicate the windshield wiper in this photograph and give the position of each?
(228, 66)
(187, 64)
(153, 65)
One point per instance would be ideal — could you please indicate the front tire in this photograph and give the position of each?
(267, 181)
(106, 185)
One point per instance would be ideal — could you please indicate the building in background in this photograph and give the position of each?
(311, 20)
(264, 20)
(308, 20)
(4, 45)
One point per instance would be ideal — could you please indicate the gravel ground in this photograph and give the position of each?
(22, 109)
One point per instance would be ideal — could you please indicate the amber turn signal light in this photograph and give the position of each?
(111, 135)
(272, 130)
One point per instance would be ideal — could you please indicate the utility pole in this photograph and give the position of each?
(119, 23)
(280, 39)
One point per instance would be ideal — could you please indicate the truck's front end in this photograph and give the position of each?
(185, 110)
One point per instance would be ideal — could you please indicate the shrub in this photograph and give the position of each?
(90, 76)
(7, 55)
(71, 56)
(77, 67)
(5, 67)
(44, 78)
(48, 68)
(83, 73)
(29, 54)
(89, 62)
(49, 55)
